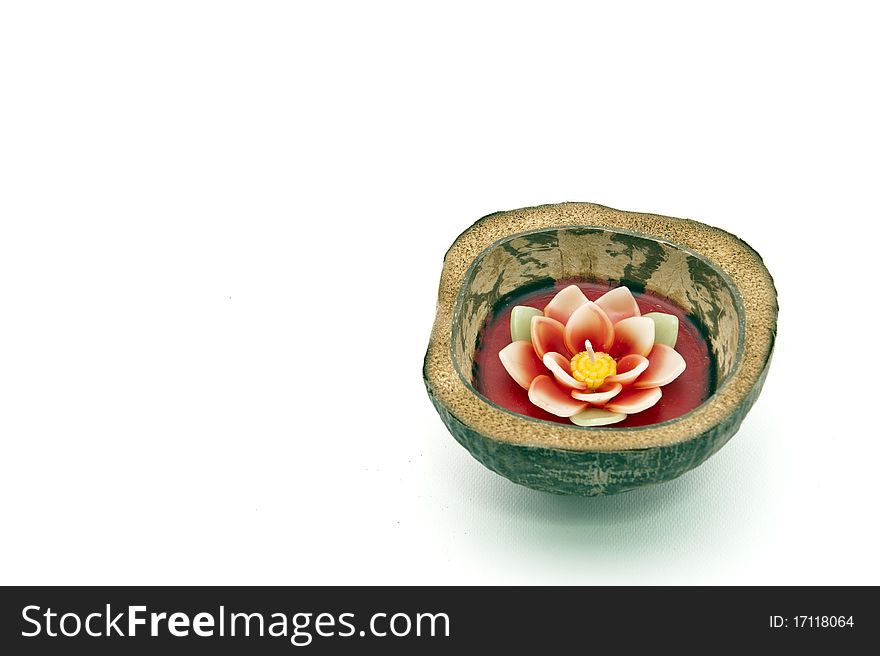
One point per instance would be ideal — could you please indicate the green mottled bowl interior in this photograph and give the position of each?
(537, 259)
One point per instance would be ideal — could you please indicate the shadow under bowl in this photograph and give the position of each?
(718, 279)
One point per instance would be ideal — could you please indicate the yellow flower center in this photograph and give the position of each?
(592, 368)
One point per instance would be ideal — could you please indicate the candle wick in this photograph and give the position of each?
(590, 351)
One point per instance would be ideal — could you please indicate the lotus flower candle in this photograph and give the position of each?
(593, 362)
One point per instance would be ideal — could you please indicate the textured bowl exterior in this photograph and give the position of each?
(583, 461)
(594, 473)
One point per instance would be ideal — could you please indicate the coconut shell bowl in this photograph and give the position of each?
(718, 283)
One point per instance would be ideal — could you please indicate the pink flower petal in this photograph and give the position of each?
(619, 304)
(665, 365)
(560, 367)
(632, 401)
(601, 396)
(549, 396)
(628, 369)
(521, 362)
(564, 303)
(633, 335)
(547, 336)
(588, 322)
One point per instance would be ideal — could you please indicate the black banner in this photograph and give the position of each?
(333, 620)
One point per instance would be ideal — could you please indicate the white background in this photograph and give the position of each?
(182, 398)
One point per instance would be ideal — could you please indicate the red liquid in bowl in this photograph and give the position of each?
(682, 395)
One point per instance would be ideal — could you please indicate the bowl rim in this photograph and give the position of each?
(737, 301)
(724, 251)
